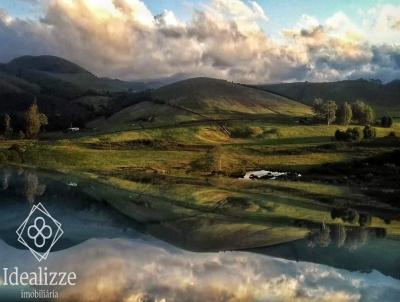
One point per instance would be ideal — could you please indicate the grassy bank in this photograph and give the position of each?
(192, 167)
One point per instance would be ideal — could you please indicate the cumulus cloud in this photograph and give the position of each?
(137, 270)
(223, 38)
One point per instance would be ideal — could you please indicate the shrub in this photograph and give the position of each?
(369, 132)
(245, 132)
(340, 135)
(351, 134)
(386, 121)
(355, 134)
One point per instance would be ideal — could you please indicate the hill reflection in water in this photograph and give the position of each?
(133, 262)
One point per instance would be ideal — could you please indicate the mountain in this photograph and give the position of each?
(384, 98)
(65, 92)
(50, 64)
(35, 68)
(203, 99)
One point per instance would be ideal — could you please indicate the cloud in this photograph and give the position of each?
(138, 270)
(225, 39)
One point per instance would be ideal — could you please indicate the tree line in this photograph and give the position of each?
(33, 123)
(345, 114)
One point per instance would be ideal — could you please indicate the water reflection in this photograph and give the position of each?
(143, 270)
(350, 237)
(28, 182)
(32, 188)
(90, 210)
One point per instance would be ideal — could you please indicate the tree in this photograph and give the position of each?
(362, 113)
(325, 110)
(8, 130)
(386, 121)
(34, 120)
(318, 108)
(331, 108)
(358, 110)
(389, 122)
(344, 114)
(369, 115)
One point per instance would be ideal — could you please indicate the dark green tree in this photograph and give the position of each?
(362, 113)
(386, 121)
(324, 110)
(318, 108)
(344, 114)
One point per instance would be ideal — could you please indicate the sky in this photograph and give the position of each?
(247, 41)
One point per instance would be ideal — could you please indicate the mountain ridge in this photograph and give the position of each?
(384, 97)
(70, 94)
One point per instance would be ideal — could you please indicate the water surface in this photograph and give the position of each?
(125, 248)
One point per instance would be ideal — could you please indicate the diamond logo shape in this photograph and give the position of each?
(39, 232)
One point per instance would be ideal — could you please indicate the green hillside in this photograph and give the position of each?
(384, 97)
(220, 98)
(203, 99)
(65, 92)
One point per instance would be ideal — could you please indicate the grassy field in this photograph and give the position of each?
(197, 168)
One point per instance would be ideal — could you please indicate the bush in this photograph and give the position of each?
(355, 134)
(386, 121)
(351, 134)
(340, 135)
(369, 132)
(245, 132)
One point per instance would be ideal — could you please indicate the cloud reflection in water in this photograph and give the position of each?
(138, 270)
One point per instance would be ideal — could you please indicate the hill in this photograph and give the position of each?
(384, 97)
(35, 68)
(46, 63)
(66, 92)
(205, 99)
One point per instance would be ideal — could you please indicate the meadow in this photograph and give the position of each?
(198, 168)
